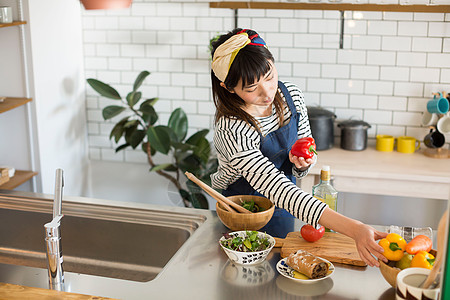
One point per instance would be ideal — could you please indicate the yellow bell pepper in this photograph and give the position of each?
(422, 259)
(394, 246)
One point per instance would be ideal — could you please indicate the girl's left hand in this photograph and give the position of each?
(365, 238)
(300, 162)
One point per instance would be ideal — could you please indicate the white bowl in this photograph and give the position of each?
(247, 258)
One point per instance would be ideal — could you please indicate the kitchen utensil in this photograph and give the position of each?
(354, 134)
(247, 258)
(334, 247)
(434, 139)
(407, 144)
(390, 272)
(216, 195)
(438, 105)
(440, 250)
(254, 221)
(321, 122)
(443, 125)
(408, 285)
(385, 143)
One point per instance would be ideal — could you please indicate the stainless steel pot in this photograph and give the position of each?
(354, 135)
(321, 122)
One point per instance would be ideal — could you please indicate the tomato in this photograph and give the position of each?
(311, 234)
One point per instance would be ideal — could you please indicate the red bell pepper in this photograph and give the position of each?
(305, 147)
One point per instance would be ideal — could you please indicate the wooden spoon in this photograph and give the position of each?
(442, 230)
(218, 196)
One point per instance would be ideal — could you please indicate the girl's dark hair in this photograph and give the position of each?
(250, 64)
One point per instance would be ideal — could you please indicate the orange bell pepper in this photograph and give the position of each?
(422, 259)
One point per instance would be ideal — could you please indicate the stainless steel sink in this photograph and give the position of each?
(105, 241)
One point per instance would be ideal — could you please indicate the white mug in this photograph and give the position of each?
(443, 125)
(6, 14)
(429, 119)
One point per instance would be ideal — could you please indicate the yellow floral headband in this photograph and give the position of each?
(225, 53)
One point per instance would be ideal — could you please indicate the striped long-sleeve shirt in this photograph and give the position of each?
(238, 151)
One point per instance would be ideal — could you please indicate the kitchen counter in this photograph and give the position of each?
(200, 270)
(384, 173)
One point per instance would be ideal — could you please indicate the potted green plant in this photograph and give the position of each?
(139, 128)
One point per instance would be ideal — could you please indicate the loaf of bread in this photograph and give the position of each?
(307, 264)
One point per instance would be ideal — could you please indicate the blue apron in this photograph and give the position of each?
(275, 146)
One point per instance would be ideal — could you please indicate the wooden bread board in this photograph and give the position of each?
(334, 247)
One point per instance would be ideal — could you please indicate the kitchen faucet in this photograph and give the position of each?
(53, 238)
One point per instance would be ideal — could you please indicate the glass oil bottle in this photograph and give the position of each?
(324, 191)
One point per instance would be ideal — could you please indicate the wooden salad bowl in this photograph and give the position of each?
(239, 221)
(390, 272)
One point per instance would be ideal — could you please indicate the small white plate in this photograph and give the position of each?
(288, 272)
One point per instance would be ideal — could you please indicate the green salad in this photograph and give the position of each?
(251, 206)
(251, 242)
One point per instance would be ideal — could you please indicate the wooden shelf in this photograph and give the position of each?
(332, 6)
(12, 102)
(18, 178)
(15, 23)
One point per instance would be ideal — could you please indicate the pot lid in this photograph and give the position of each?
(354, 124)
(315, 112)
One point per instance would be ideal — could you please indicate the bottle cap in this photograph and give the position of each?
(326, 168)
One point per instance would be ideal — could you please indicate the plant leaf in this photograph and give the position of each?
(112, 111)
(149, 113)
(104, 89)
(190, 163)
(171, 133)
(184, 194)
(197, 197)
(139, 79)
(160, 167)
(181, 146)
(131, 123)
(203, 150)
(133, 98)
(159, 139)
(179, 123)
(150, 101)
(196, 137)
(121, 147)
(118, 130)
(129, 131)
(136, 138)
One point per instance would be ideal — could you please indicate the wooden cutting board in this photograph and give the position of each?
(334, 247)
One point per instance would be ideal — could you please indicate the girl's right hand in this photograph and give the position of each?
(300, 162)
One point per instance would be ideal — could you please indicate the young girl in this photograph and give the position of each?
(258, 119)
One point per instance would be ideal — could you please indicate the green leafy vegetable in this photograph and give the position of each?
(251, 242)
(251, 206)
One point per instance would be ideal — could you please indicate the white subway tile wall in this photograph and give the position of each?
(389, 66)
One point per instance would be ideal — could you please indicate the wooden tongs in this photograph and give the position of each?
(224, 201)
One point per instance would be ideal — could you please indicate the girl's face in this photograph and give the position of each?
(260, 93)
